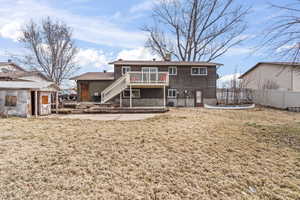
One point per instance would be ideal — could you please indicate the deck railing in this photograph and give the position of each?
(147, 78)
(134, 79)
(114, 89)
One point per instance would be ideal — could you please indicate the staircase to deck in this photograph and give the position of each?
(137, 80)
(114, 89)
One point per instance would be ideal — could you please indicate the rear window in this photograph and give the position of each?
(11, 101)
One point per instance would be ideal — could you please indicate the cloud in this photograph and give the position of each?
(140, 53)
(224, 80)
(11, 31)
(235, 51)
(93, 59)
(287, 47)
(147, 5)
(93, 29)
(143, 6)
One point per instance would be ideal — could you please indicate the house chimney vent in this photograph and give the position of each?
(104, 71)
(168, 57)
(154, 59)
(9, 60)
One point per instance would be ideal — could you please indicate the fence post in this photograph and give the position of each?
(283, 100)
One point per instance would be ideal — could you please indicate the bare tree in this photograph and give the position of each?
(235, 91)
(195, 30)
(270, 85)
(282, 36)
(51, 49)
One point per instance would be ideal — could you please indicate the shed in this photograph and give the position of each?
(25, 98)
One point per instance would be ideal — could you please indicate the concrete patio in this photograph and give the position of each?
(105, 117)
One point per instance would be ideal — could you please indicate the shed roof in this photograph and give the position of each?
(20, 74)
(94, 76)
(11, 63)
(284, 64)
(163, 63)
(42, 86)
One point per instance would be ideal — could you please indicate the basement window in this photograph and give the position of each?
(11, 101)
(136, 93)
(172, 93)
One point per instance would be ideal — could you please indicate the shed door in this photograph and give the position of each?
(84, 92)
(198, 98)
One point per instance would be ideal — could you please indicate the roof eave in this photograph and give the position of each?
(93, 79)
(161, 62)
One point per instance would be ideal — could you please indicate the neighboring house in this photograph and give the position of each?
(25, 93)
(91, 84)
(273, 75)
(155, 83)
(9, 66)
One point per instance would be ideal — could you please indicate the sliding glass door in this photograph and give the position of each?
(150, 74)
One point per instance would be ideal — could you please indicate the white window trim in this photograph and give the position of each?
(149, 68)
(125, 67)
(172, 97)
(199, 70)
(175, 71)
(136, 97)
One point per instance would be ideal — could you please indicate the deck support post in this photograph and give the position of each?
(35, 103)
(121, 100)
(56, 102)
(164, 95)
(130, 96)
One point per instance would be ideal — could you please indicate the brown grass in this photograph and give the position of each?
(183, 154)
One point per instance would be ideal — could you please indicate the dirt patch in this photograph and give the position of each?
(183, 154)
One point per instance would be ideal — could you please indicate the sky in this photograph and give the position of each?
(106, 30)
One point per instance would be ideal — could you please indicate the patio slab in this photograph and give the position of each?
(106, 117)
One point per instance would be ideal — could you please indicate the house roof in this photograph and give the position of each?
(20, 74)
(284, 64)
(92, 76)
(11, 63)
(42, 86)
(163, 63)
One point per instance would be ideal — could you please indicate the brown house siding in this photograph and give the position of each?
(182, 81)
(93, 87)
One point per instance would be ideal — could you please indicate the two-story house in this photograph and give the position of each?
(154, 83)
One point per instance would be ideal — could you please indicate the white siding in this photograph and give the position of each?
(267, 72)
(23, 103)
(45, 109)
(276, 98)
(35, 78)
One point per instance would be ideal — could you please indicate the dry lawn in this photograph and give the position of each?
(183, 154)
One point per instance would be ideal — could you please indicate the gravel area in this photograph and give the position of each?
(182, 154)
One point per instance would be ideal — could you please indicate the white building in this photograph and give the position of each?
(25, 93)
(273, 75)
